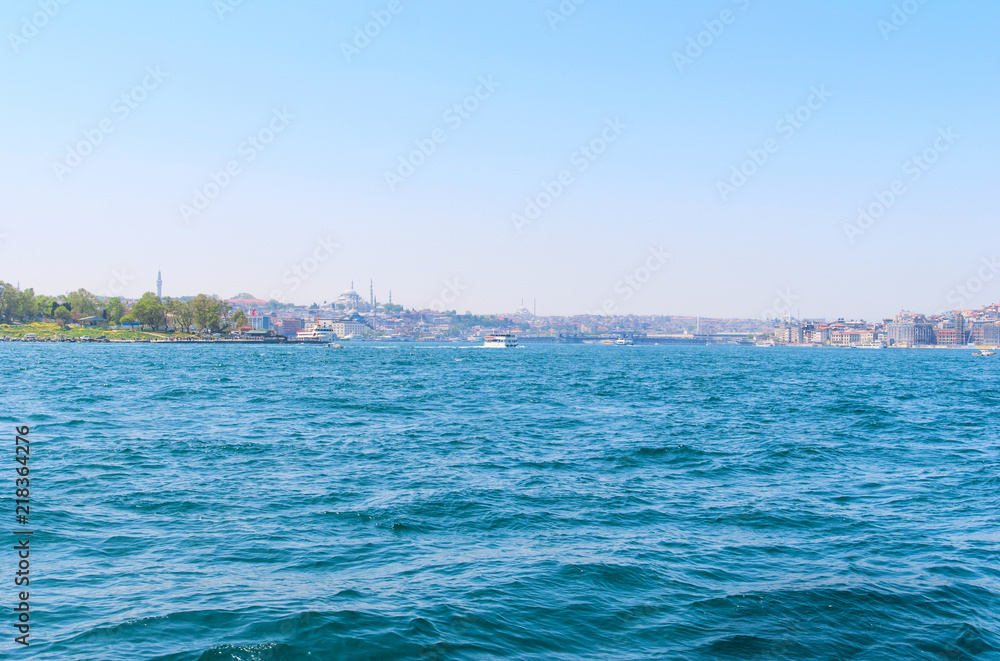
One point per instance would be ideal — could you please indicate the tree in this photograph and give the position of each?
(239, 319)
(83, 303)
(43, 305)
(181, 313)
(225, 310)
(114, 310)
(207, 312)
(148, 310)
(126, 320)
(244, 296)
(62, 315)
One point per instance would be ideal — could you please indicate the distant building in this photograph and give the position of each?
(910, 330)
(788, 333)
(290, 326)
(260, 323)
(159, 284)
(351, 301)
(991, 334)
(345, 328)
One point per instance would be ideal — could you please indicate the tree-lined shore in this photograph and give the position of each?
(202, 313)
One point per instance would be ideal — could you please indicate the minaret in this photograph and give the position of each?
(159, 284)
(371, 293)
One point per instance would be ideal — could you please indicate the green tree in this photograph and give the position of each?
(225, 310)
(114, 310)
(62, 315)
(207, 312)
(45, 305)
(239, 319)
(148, 310)
(126, 320)
(181, 312)
(83, 303)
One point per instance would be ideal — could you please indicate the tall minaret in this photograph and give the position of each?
(159, 284)
(371, 293)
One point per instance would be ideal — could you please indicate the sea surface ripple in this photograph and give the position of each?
(409, 501)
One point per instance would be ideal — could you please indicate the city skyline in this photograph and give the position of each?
(350, 299)
(838, 155)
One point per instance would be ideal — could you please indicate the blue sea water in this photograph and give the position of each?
(550, 502)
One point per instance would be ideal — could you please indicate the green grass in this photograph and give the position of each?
(51, 330)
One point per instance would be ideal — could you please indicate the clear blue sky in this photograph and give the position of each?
(554, 87)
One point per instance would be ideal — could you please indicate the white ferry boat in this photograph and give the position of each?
(506, 341)
(318, 334)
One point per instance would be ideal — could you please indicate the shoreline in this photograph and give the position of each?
(293, 342)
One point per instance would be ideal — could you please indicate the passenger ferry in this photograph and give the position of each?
(506, 341)
(318, 334)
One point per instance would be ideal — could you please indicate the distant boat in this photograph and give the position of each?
(985, 353)
(334, 345)
(871, 345)
(317, 334)
(505, 341)
(624, 341)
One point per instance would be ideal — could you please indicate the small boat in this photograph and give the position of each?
(624, 342)
(335, 345)
(504, 341)
(985, 353)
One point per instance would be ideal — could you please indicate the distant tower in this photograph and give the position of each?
(390, 297)
(159, 284)
(371, 293)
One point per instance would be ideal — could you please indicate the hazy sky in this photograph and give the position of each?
(119, 116)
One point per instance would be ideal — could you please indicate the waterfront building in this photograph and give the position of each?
(290, 326)
(348, 327)
(910, 330)
(788, 333)
(991, 334)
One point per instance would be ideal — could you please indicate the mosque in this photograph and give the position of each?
(352, 301)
